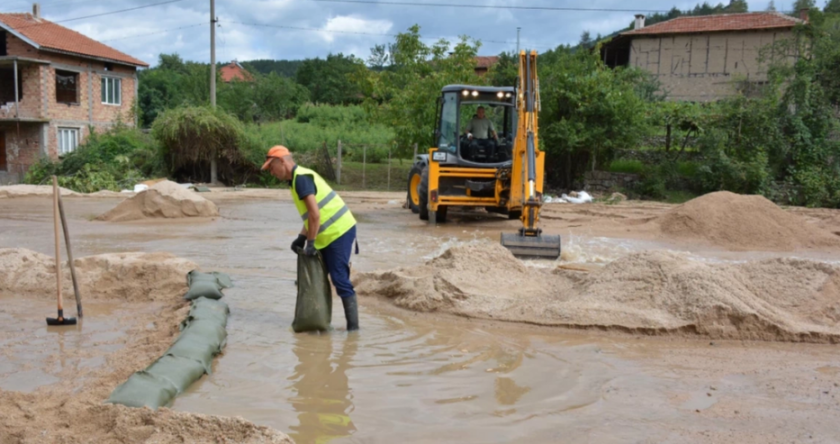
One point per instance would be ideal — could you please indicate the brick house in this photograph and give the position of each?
(702, 58)
(484, 63)
(56, 84)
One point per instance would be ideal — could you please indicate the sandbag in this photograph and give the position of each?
(209, 331)
(181, 372)
(192, 346)
(143, 389)
(208, 285)
(207, 309)
(313, 308)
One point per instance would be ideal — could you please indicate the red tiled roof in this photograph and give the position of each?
(234, 71)
(53, 37)
(485, 62)
(723, 22)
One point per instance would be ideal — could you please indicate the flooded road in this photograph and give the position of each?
(410, 377)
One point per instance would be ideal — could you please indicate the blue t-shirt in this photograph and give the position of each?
(304, 185)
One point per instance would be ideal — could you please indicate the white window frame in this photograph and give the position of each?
(111, 91)
(68, 140)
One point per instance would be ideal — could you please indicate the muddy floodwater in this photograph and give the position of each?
(408, 377)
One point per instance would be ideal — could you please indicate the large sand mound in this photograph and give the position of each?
(163, 200)
(119, 276)
(652, 292)
(12, 191)
(738, 222)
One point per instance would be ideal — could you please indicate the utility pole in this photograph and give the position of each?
(213, 165)
(517, 40)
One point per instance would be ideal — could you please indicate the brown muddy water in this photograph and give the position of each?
(410, 377)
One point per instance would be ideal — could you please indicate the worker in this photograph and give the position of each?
(481, 127)
(328, 225)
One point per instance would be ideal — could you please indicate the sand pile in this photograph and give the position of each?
(738, 222)
(651, 293)
(12, 191)
(165, 199)
(120, 276)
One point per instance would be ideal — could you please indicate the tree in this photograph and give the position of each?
(832, 7)
(585, 40)
(404, 97)
(737, 6)
(772, 6)
(328, 80)
(803, 4)
(379, 57)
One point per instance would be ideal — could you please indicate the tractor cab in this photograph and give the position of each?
(459, 116)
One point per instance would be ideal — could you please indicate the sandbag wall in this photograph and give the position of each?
(202, 337)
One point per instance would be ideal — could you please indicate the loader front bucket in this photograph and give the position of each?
(535, 247)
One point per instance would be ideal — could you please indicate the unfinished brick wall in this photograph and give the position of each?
(704, 67)
(23, 148)
(29, 106)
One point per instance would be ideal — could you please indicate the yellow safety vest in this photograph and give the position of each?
(336, 218)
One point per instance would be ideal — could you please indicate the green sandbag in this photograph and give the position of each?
(144, 389)
(181, 372)
(209, 309)
(191, 345)
(313, 309)
(209, 330)
(208, 285)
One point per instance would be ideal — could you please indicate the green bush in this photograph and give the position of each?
(113, 160)
(626, 166)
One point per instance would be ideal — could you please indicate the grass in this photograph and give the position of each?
(374, 176)
(626, 166)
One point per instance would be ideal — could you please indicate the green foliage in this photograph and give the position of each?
(114, 160)
(626, 166)
(329, 80)
(832, 7)
(404, 96)
(175, 83)
(283, 68)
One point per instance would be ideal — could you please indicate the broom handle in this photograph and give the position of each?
(57, 247)
(70, 257)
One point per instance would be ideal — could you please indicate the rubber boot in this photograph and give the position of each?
(351, 312)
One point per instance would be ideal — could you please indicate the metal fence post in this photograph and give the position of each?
(415, 153)
(364, 167)
(338, 165)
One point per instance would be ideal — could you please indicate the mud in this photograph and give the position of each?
(471, 380)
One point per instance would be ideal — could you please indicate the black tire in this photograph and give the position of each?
(416, 170)
(440, 216)
(423, 194)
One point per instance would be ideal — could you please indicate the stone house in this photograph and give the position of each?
(702, 58)
(55, 85)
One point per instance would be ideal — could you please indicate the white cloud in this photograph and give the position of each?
(345, 25)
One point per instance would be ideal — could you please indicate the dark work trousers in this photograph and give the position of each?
(337, 259)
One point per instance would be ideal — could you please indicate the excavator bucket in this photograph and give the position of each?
(534, 247)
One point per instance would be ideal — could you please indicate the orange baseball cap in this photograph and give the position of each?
(276, 152)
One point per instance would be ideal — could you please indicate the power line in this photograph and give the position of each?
(162, 31)
(299, 28)
(104, 13)
(474, 6)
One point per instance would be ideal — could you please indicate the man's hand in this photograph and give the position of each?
(310, 250)
(299, 243)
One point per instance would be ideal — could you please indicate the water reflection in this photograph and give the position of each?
(322, 398)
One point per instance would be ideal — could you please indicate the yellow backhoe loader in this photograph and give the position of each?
(500, 169)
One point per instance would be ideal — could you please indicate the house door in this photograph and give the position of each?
(3, 151)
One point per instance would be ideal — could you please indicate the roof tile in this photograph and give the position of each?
(51, 36)
(721, 22)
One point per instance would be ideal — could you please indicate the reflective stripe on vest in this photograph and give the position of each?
(336, 218)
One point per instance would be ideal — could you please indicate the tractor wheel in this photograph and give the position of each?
(413, 195)
(423, 195)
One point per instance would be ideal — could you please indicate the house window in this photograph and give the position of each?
(3, 50)
(66, 87)
(7, 85)
(111, 90)
(68, 140)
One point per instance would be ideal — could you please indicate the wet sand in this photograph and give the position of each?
(436, 377)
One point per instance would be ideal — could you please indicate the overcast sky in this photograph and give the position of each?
(143, 33)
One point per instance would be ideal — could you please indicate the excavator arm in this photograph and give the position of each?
(528, 168)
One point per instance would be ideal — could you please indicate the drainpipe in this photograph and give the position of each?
(17, 110)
